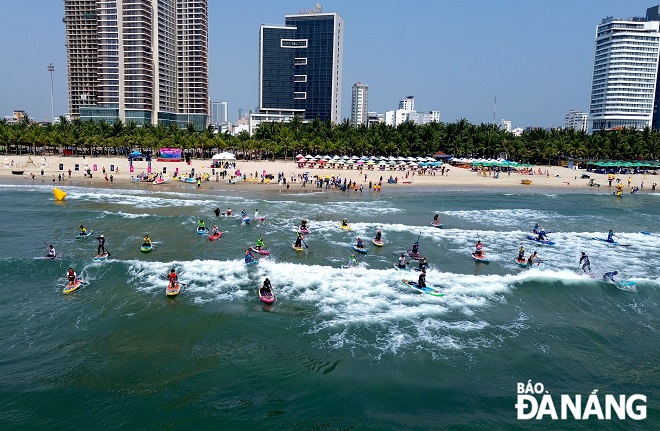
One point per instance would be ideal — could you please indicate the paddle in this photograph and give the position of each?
(306, 246)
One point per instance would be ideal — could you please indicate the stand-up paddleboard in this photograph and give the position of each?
(87, 235)
(377, 243)
(362, 250)
(214, 236)
(480, 258)
(267, 295)
(297, 248)
(102, 256)
(146, 248)
(428, 290)
(439, 226)
(202, 231)
(260, 250)
(396, 266)
(521, 263)
(73, 286)
(540, 241)
(56, 257)
(173, 289)
(611, 242)
(345, 227)
(252, 263)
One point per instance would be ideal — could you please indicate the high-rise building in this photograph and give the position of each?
(138, 60)
(576, 120)
(359, 104)
(300, 66)
(219, 112)
(407, 104)
(625, 74)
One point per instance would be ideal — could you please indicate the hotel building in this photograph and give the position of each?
(625, 74)
(144, 61)
(300, 67)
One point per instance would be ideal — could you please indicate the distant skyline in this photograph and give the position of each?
(455, 57)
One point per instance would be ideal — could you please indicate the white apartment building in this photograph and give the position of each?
(359, 104)
(576, 120)
(625, 74)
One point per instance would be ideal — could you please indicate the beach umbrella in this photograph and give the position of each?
(300, 156)
(308, 157)
(317, 157)
(360, 162)
(326, 157)
(349, 162)
(322, 162)
(355, 158)
(371, 162)
(336, 157)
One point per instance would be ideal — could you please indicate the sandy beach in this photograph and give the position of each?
(115, 171)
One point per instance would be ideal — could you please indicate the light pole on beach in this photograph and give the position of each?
(51, 69)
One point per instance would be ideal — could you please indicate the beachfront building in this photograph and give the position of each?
(576, 120)
(625, 73)
(505, 125)
(144, 61)
(300, 67)
(219, 112)
(359, 104)
(406, 112)
(375, 118)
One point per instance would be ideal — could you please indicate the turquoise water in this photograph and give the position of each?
(340, 349)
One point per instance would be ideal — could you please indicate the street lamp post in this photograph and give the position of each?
(51, 69)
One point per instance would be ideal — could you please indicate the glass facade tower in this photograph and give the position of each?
(300, 66)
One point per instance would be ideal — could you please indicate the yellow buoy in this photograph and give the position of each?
(59, 194)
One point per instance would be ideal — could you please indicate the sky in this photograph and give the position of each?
(457, 57)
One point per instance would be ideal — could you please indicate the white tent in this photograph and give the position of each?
(224, 156)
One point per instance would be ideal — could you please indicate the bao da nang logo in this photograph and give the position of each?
(534, 402)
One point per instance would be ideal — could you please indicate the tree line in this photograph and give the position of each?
(285, 140)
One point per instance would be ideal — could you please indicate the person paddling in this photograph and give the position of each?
(478, 248)
(344, 222)
(436, 219)
(217, 211)
(260, 244)
(82, 230)
(201, 225)
(359, 243)
(352, 261)
(379, 234)
(610, 236)
(266, 288)
(421, 281)
(303, 224)
(609, 276)
(71, 276)
(415, 248)
(173, 277)
(51, 252)
(249, 257)
(101, 248)
(299, 239)
(147, 241)
(521, 253)
(533, 258)
(584, 261)
(215, 230)
(402, 261)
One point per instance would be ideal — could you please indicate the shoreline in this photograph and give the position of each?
(554, 179)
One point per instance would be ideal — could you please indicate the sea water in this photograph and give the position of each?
(341, 348)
